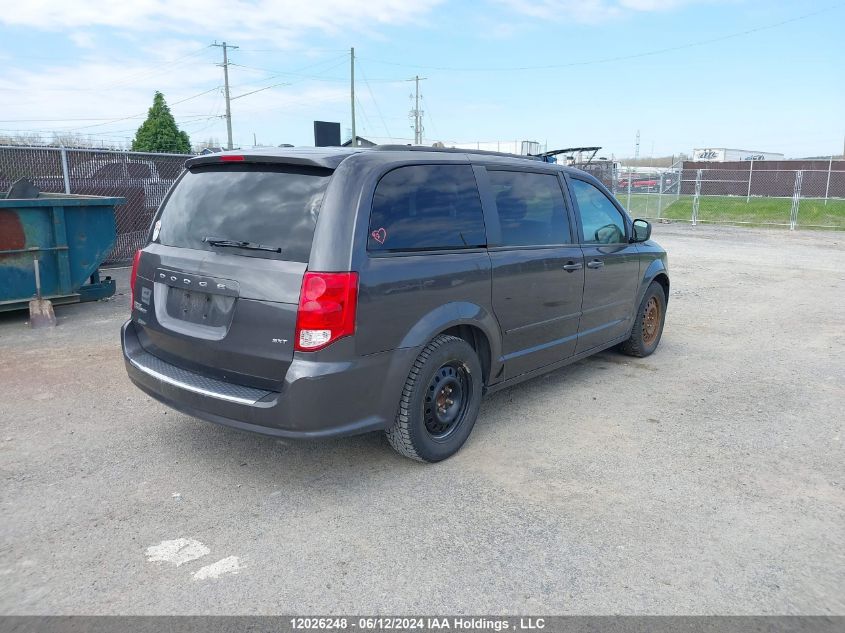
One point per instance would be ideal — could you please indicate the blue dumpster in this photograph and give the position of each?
(69, 234)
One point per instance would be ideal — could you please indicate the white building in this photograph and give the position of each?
(723, 154)
(509, 147)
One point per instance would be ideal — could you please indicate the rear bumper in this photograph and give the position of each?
(318, 399)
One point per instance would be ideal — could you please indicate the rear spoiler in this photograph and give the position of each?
(325, 161)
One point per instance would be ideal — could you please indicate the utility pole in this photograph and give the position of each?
(352, 93)
(225, 48)
(416, 113)
(631, 170)
(417, 131)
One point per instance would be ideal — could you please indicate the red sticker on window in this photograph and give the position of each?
(380, 235)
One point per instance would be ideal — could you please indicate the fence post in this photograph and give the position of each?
(660, 198)
(680, 175)
(750, 173)
(65, 174)
(697, 198)
(827, 187)
(630, 178)
(796, 200)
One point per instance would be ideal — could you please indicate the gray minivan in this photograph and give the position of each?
(317, 292)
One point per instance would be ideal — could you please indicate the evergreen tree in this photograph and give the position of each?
(159, 132)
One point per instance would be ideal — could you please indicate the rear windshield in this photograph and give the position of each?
(262, 204)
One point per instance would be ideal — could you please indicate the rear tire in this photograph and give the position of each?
(440, 401)
(648, 324)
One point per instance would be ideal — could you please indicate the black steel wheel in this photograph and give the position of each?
(446, 399)
(440, 401)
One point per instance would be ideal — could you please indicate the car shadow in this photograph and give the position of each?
(302, 462)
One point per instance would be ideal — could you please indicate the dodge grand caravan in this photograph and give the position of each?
(308, 293)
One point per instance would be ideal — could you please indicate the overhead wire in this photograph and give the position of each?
(375, 102)
(367, 127)
(132, 78)
(427, 112)
(618, 58)
(142, 114)
(297, 71)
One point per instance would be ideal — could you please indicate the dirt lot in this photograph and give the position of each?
(707, 478)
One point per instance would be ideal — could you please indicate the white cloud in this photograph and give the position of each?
(82, 39)
(278, 20)
(161, 46)
(587, 11)
(652, 5)
(92, 92)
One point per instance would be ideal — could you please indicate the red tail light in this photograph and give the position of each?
(132, 278)
(327, 304)
(231, 158)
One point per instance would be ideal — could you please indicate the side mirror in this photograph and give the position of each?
(642, 231)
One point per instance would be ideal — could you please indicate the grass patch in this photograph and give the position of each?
(735, 209)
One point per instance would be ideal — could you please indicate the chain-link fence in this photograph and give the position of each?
(141, 178)
(602, 170)
(650, 194)
(754, 195)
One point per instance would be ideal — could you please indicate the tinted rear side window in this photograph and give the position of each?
(531, 208)
(272, 206)
(426, 207)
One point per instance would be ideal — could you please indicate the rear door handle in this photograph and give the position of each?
(572, 266)
(596, 263)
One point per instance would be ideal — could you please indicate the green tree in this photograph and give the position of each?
(159, 132)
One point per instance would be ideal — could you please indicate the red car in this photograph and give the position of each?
(639, 184)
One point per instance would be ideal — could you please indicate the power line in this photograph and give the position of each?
(252, 92)
(131, 79)
(316, 77)
(49, 120)
(211, 120)
(428, 114)
(126, 80)
(184, 116)
(199, 94)
(368, 127)
(287, 50)
(619, 58)
(302, 76)
(304, 104)
(135, 116)
(330, 60)
(375, 103)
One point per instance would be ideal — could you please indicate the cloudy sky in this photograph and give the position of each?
(752, 74)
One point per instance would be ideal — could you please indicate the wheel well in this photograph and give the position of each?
(476, 337)
(663, 280)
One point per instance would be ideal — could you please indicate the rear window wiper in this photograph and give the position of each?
(252, 246)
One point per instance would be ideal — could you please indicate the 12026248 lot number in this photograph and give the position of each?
(415, 623)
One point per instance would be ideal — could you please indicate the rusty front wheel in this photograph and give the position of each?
(648, 323)
(651, 321)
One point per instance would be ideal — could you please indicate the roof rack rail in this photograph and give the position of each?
(449, 150)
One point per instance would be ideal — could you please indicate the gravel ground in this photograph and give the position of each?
(707, 478)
